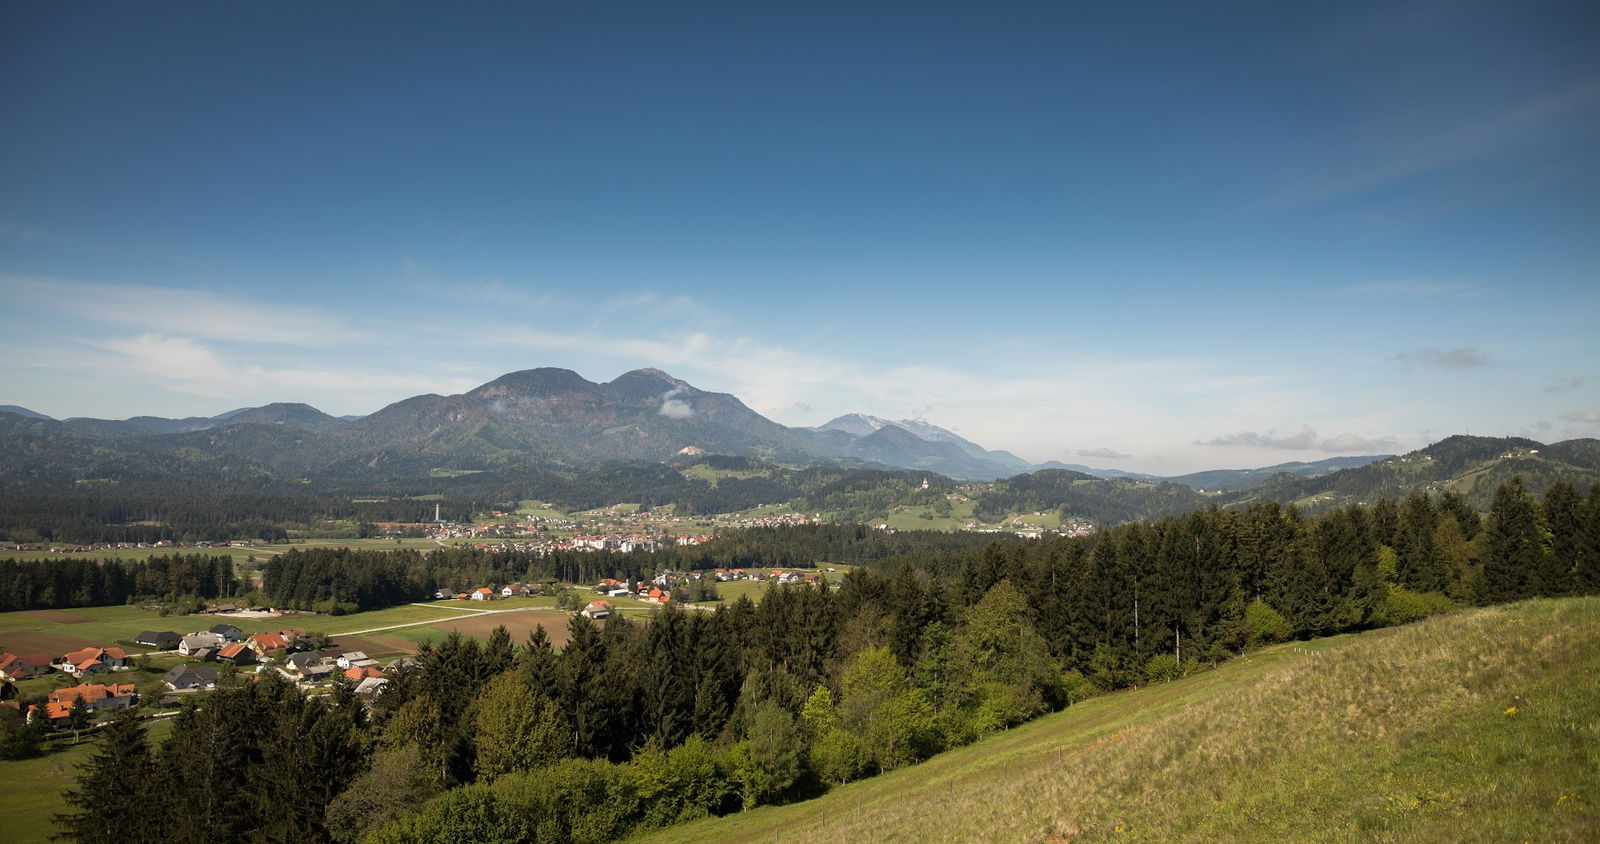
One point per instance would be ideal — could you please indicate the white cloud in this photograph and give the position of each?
(1581, 416)
(1305, 439)
(1104, 453)
(196, 313)
(673, 407)
(183, 365)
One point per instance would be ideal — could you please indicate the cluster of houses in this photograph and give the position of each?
(79, 663)
(614, 543)
(124, 546)
(488, 593)
(226, 643)
(93, 697)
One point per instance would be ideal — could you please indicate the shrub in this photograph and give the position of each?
(838, 757)
(1077, 687)
(1266, 625)
(1402, 605)
(1162, 668)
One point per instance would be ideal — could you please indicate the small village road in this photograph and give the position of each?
(469, 614)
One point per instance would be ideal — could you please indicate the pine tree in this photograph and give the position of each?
(112, 787)
(1516, 545)
(1565, 511)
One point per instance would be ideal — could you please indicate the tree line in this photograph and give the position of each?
(76, 582)
(634, 725)
(350, 580)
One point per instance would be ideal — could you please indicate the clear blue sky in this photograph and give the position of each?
(1162, 236)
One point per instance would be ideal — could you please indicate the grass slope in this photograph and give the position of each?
(1479, 725)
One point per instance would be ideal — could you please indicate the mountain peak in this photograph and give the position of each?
(645, 383)
(534, 383)
(854, 424)
(297, 414)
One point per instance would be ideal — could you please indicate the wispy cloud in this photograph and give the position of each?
(1414, 144)
(1459, 358)
(194, 313)
(184, 365)
(1416, 287)
(1565, 383)
(1103, 453)
(1305, 439)
(1581, 416)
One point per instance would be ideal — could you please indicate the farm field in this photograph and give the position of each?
(519, 624)
(733, 590)
(33, 787)
(58, 631)
(1479, 725)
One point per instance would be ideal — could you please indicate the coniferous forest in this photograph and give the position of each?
(635, 725)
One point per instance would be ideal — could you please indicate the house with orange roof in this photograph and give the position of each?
(597, 609)
(238, 653)
(360, 672)
(482, 593)
(268, 645)
(26, 666)
(87, 661)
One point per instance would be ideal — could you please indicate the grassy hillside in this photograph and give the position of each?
(1479, 725)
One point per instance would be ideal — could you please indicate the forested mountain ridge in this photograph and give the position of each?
(1234, 480)
(1469, 466)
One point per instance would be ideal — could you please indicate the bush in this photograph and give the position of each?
(838, 757)
(1077, 687)
(1402, 605)
(1266, 625)
(1162, 668)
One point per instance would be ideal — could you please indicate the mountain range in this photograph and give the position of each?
(554, 419)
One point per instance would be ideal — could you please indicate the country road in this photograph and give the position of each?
(466, 614)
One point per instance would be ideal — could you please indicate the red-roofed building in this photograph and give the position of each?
(94, 696)
(14, 667)
(356, 675)
(597, 609)
(91, 660)
(482, 593)
(238, 653)
(268, 644)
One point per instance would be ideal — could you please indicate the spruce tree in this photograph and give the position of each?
(1516, 545)
(112, 786)
(1565, 512)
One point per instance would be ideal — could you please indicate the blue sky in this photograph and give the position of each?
(1156, 236)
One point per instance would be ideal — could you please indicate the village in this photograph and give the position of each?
(97, 679)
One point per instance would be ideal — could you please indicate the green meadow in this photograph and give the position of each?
(1480, 725)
